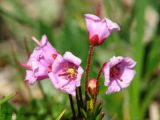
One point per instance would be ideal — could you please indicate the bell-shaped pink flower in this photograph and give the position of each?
(66, 73)
(99, 29)
(118, 72)
(40, 61)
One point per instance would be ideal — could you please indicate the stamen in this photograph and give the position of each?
(36, 41)
(64, 74)
(115, 71)
(70, 73)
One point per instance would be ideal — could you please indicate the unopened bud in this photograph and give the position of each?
(92, 85)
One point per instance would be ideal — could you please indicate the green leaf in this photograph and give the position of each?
(100, 116)
(98, 109)
(84, 113)
(20, 115)
(138, 52)
(154, 57)
(6, 99)
(61, 114)
(6, 111)
(148, 98)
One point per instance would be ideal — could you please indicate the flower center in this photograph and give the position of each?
(69, 73)
(72, 72)
(115, 72)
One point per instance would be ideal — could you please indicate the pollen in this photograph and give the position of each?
(71, 72)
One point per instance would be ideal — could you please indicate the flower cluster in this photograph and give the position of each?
(65, 71)
(45, 62)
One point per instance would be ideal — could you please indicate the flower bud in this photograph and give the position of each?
(92, 85)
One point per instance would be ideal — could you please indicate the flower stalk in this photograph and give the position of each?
(87, 70)
(97, 84)
(99, 10)
(78, 104)
(72, 107)
(42, 91)
(80, 95)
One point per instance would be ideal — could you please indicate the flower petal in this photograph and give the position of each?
(71, 58)
(92, 22)
(70, 88)
(112, 25)
(92, 17)
(79, 75)
(106, 72)
(47, 49)
(102, 30)
(113, 87)
(53, 79)
(126, 77)
(30, 78)
(130, 62)
(115, 60)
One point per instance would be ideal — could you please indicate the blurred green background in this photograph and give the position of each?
(63, 22)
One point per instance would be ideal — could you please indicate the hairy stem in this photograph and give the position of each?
(97, 83)
(87, 70)
(98, 10)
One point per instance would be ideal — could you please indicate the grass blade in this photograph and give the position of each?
(150, 94)
(7, 98)
(61, 114)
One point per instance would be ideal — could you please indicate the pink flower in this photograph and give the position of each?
(118, 73)
(99, 29)
(66, 73)
(40, 61)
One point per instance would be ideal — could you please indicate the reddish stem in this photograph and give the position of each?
(99, 10)
(87, 69)
(97, 86)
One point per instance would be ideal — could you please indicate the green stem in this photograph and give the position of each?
(42, 91)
